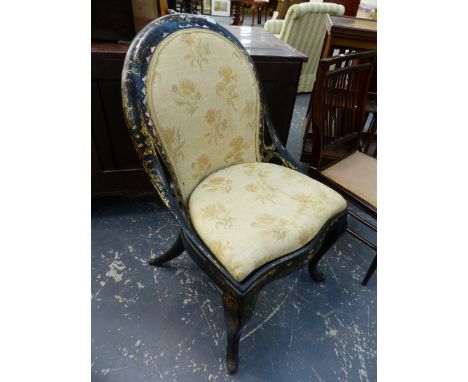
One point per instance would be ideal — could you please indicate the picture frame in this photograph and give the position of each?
(206, 7)
(221, 8)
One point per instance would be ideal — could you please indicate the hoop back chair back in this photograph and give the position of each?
(201, 105)
(194, 108)
(335, 121)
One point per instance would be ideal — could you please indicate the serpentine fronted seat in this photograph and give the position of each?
(249, 214)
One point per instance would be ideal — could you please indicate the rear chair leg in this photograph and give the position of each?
(370, 271)
(176, 249)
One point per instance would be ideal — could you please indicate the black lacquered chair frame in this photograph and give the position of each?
(238, 297)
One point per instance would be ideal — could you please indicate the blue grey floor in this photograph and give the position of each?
(158, 324)
(166, 324)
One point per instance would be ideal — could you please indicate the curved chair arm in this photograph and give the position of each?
(274, 26)
(277, 149)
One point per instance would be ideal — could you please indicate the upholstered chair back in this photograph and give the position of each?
(204, 105)
(304, 29)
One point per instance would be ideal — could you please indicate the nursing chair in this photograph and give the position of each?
(333, 131)
(304, 29)
(247, 215)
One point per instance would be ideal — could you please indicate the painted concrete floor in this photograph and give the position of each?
(166, 324)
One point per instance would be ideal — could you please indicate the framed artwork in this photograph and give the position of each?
(206, 7)
(221, 7)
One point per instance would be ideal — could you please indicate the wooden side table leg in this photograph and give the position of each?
(236, 6)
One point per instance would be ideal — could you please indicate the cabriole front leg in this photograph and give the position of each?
(237, 311)
(314, 273)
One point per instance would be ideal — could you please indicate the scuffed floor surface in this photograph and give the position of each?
(166, 324)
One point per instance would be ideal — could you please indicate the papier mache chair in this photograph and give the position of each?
(247, 215)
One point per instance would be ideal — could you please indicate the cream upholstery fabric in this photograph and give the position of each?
(358, 174)
(274, 26)
(253, 213)
(304, 28)
(204, 103)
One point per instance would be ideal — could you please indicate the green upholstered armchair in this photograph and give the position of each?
(304, 29)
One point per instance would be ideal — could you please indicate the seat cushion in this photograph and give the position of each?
(356, 173)
(249, 214)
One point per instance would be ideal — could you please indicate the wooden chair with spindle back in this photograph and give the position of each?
(333, 130)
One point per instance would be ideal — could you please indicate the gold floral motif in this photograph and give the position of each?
(317, 204)
(217, 125)
(219, 213)
(219, 184)
(220, 249)
(305, 234)
(249, 168)
(264, 173)
(198, 50)
(248, 113)
(271, 225)
(252, 187)
(171, 137)
(263, 192)
(188, 95)
(287, 173)
(201, 166)
(227, 74)
(252, 168)
(188, 39)
(238, 145)
(227, 87)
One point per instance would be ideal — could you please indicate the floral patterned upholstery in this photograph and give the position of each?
(252, 213)
(204, 105)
